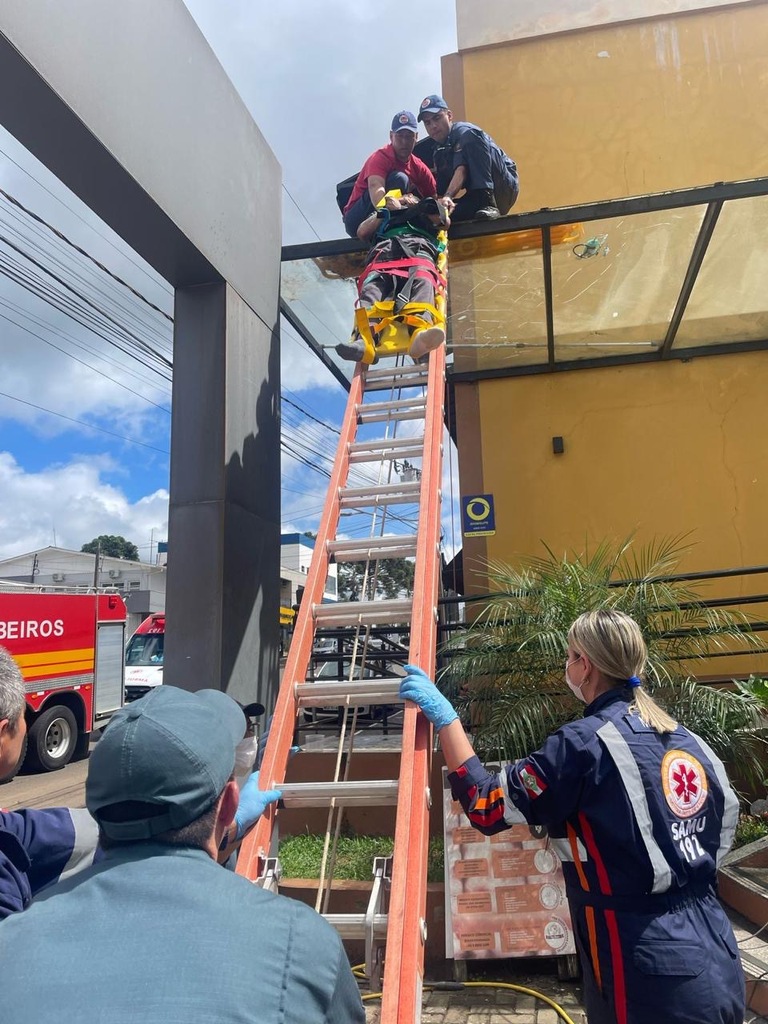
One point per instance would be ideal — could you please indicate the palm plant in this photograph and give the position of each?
(505, 671)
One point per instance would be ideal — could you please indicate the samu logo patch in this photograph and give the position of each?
(532, 782)
(685, 783)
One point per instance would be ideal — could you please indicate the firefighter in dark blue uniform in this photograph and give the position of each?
(37, 848)
(40, 847)
(641, 813)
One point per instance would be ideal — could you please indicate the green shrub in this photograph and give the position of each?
(750, 828)
(505, 671)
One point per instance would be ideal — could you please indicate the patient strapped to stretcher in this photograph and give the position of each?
(402, 289)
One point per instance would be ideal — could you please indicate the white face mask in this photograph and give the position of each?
(245, 757)
(575, 690)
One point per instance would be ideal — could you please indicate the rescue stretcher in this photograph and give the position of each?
(389, 327)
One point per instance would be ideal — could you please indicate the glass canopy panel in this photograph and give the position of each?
(322, 292)
(615, 289)
(496, 303)
(729, 302)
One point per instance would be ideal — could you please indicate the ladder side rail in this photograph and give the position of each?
(256, 845)
(404, 968)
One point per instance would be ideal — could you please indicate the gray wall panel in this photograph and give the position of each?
(142, 79)
(126, 103)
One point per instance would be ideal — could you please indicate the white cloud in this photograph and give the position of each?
(43, 380)
(74, 502)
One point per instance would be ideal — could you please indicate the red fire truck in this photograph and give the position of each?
(69, 647)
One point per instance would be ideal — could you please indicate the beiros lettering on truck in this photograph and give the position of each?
(31, 628)
(69, 647)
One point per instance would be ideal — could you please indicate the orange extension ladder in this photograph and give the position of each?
(395, 933)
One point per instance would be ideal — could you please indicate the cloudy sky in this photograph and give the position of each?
(86, 361)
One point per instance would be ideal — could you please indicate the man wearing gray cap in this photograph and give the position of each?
(167, 934)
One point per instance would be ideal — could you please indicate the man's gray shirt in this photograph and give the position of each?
(164, 935)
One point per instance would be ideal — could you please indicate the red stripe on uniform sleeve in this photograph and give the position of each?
(617, 958)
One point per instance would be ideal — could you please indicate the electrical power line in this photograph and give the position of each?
(311, 226)
(82, 423)
(70, 355)
(126, 254)
(83, 252)
(83, 298)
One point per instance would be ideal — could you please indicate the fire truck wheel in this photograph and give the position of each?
(52, 739)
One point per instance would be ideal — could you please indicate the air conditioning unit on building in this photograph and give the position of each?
(115, 574)
(58, 577)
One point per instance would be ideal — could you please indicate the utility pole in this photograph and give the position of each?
(96, 566)
(35, 570)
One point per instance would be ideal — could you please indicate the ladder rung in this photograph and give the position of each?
(378, 454)
(393, 444)
(386, 448)
(386, 494)
(372, 548)
(399, 409)
(380, 792)
(398, 379)
(353, 926)
(354, 694)
(362, 613)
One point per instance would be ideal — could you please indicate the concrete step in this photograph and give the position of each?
(743, 881)
(754, 960)
(743, 888)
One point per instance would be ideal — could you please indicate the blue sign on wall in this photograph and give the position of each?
(478, 517)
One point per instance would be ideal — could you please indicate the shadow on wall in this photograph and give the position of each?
(254, 549)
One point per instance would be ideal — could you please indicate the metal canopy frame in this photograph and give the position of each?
(713, 197)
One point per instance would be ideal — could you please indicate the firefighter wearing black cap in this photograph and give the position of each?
(465, 159)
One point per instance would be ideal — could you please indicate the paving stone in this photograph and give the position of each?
(506, 997)
(547, 1016)
(455, 1015)
(432, 999)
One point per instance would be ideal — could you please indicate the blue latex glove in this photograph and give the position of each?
(418, 687)
(253, 803)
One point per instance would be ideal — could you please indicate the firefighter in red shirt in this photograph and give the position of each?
(392, 167)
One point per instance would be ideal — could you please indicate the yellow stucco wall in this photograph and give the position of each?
(660, 449)
(480, 22)
(624, 109)
(649, 449)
